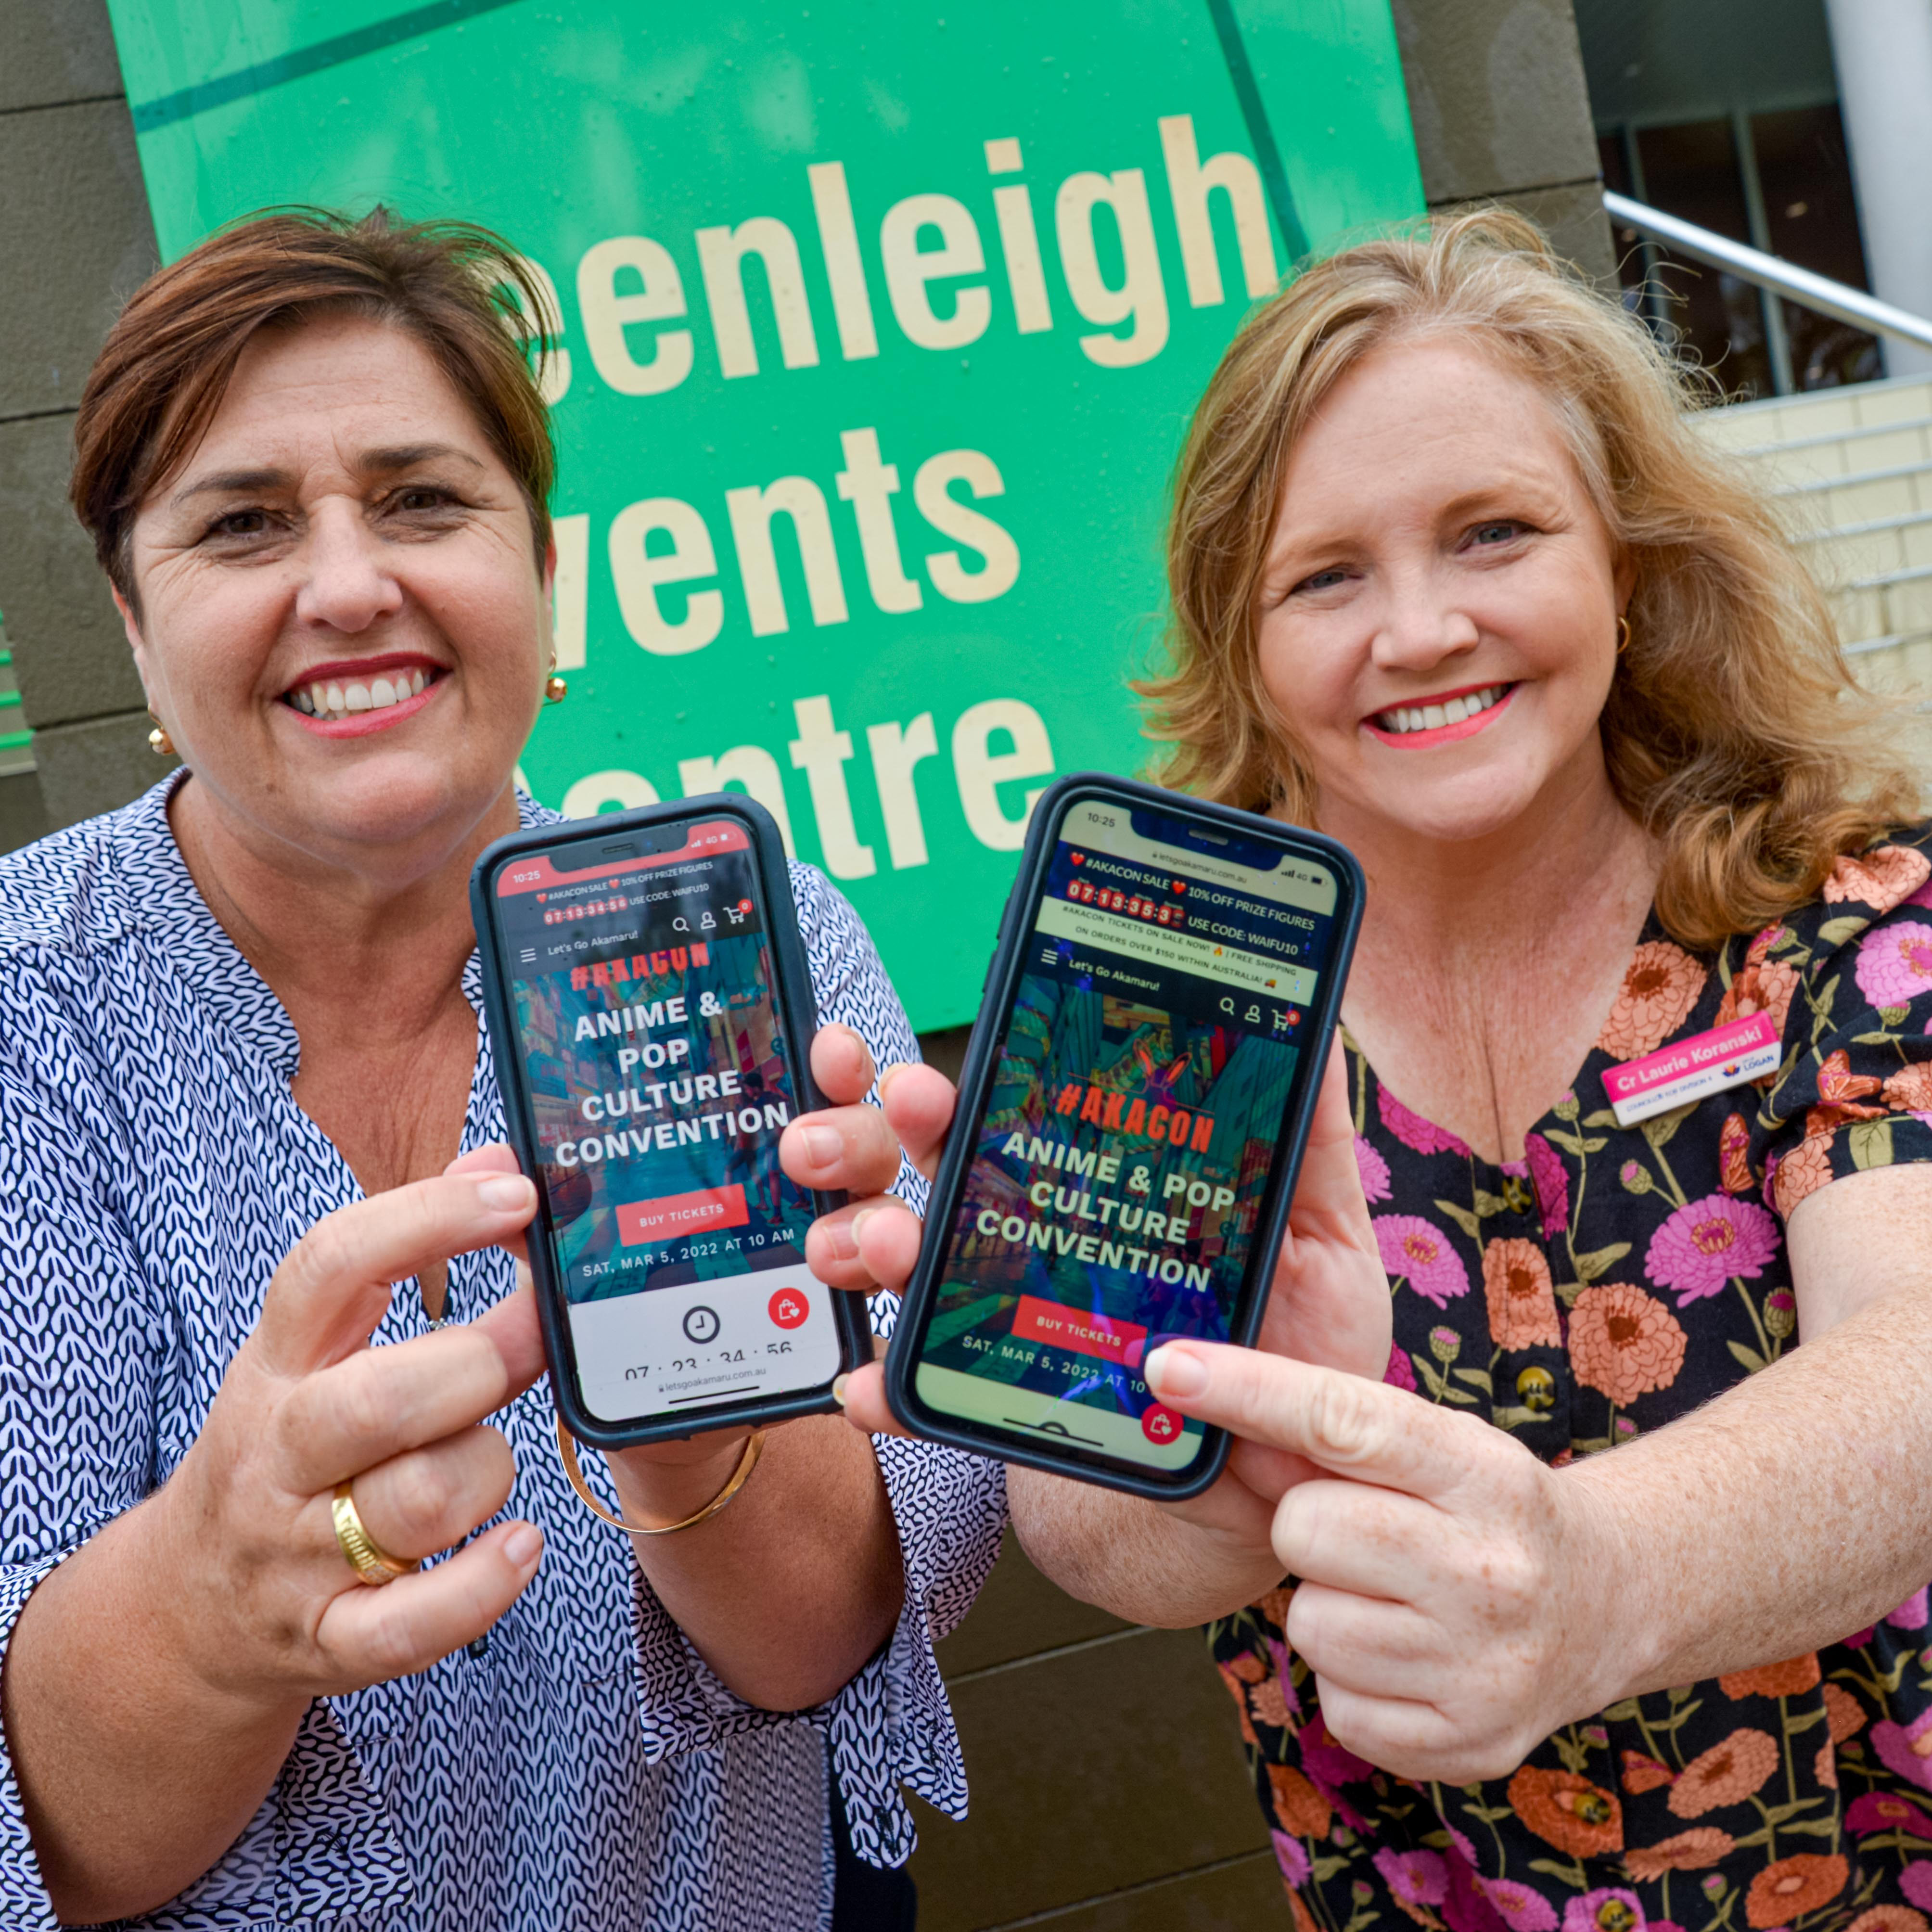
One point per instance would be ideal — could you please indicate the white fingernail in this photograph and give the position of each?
(1173, 1371)
(504, 1192)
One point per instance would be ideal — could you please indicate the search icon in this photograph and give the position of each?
(684, 925)
(1227, 1007)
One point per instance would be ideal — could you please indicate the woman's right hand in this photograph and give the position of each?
(264, 1606)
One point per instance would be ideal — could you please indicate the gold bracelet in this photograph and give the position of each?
(566, 1448)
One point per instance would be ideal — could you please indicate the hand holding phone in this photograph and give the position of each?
(651, 1014)
(1329, 1303)
(1135, 1106)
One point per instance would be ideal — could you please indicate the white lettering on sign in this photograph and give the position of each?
(1189, 182)
(658, 296)
(823, 751)
(753, 770)
(1141, 296)
(869, 486)
(845, 267)
(721, 255)
(911, 269)
(638, 572)
(943, 292)
(894, 752)
(980, 771)
(802, 502)
(627, 283)
(999, 568)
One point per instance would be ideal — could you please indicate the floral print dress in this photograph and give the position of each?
(1615, 1279)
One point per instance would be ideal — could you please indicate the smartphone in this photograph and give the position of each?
(650, 1014)
(1131, 1118)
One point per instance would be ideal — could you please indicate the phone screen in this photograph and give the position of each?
(659, 1073)
(1146, 1070)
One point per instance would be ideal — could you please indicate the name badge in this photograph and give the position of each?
(1726, 1056)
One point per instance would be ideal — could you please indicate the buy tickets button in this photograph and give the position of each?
(1079, 1330)
(671, 1215)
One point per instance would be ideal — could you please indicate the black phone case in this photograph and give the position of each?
(800, 1014)
(995, 998)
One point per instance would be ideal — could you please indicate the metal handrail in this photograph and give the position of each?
(1768, 271)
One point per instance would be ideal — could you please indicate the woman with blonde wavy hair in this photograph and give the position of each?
(1636, 1094)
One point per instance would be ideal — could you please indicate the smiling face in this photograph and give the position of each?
(1438, 619)
(340, 621)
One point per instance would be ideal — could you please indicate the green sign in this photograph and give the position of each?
(879, 325)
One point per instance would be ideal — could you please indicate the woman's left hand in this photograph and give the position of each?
(786, 1593)
(1454, 1596)
(659, 1482)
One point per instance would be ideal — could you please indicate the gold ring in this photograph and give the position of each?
(373, 1563)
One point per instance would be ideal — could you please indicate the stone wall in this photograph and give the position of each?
(75, 235)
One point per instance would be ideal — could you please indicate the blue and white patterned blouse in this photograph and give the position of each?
(587, 1771)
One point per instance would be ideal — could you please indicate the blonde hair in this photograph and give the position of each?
(1733, 732)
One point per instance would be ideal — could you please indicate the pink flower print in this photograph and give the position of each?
(1916, 1881)
(1292, 1855)
(1704, 1245)
(1912, 1614)
(1522, 1910)
(1466, 1908)
(1661, 986)
(1881, 880)
(1417, 1879)
(1880, 1811)
(1373, 1169)
(1329, 1764)
(1922, 897)
(1894, 963)
(1907, 1749)
(1789, 1178)
(1413, 1248)
(1419, 1135)
(1612, 1908)
(1400, 1372)
(1551, 1180)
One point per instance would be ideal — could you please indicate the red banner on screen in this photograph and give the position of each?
(1077, 1330)
(639, 1222)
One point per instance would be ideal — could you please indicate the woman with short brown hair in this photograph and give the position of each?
(299, 1630)
(1635, 1091)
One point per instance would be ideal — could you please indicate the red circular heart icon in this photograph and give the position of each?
(1160, 1425)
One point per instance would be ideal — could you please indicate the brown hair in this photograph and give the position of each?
(1733, 732)
(464, 293)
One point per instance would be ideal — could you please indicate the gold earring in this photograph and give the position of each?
(555, 689)
(159, 742)
(1623, 635)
